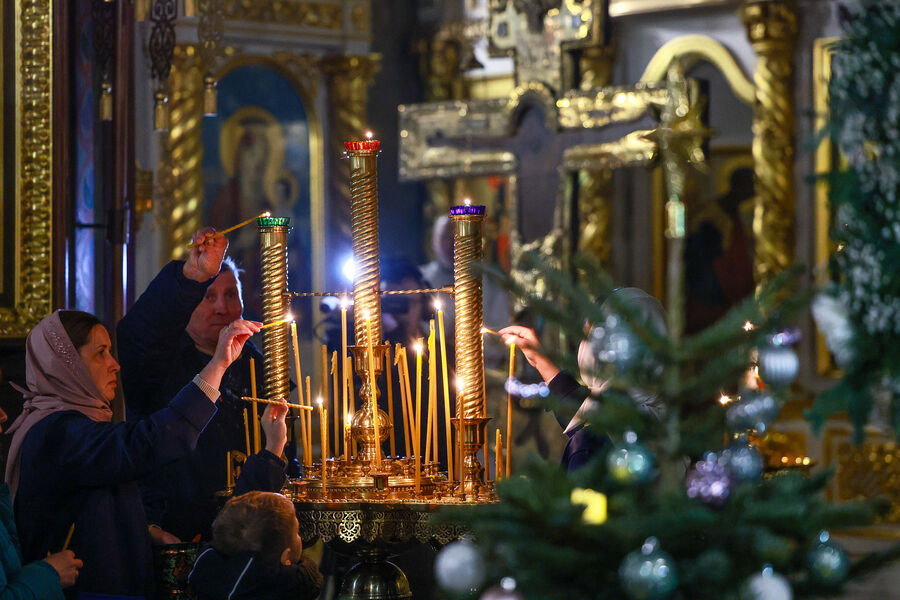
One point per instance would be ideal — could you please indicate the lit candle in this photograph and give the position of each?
(418, 435)
(307, 453)
(247, 431)
(344, 304)
(335, 370)
(431, 394)
(287, 319)
(348, 389)
(255, 407)
(372, 389)
(323, 432)
(409, 402)
(298, 373)
(325, 374)
(512, 370)
(228, 472)
(348, 418)
(399, 362)
(498, 457)
(389, 376)
(440, 316)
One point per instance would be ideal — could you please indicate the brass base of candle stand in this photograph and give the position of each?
(349, 481)
(472, 487)
(373, 532)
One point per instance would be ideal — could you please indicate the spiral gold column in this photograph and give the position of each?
(772, 29)
(468, 222)
(273, 242)
(366, 284)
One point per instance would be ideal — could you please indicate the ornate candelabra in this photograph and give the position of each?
(344, 493)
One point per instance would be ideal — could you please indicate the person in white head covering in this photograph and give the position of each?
(577, 400)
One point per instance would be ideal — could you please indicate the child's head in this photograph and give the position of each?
(261, 522)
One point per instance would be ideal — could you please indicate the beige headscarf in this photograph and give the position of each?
(57, 380)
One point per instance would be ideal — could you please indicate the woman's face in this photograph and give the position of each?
(96, 354)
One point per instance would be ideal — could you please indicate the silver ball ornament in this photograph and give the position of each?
(648, 573)
(767, 585)
(778, 365)
(505, 591)
(630, 463)
(827, 562)
(459, 567)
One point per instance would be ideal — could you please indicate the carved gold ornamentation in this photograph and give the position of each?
(384, 523)
(300, 13)
(348, 79)
(772, 29)
(864, 471)
(180, 196)
(537, 38)
(361, 17)
(273, 248)
(33, 203)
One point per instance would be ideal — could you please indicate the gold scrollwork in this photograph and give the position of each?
(32, 262)
(385, 523)
(316, 15)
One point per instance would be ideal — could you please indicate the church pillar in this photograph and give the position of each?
(772, 30)
(595, 186)
(348, 79)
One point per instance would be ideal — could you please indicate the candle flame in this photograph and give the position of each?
(347, 419)
(369, 135)
(468, 201)
(266, 215)
(319, 401)
(724, 399)
(417, 348)
(437, 305)
(345, 303)
(367, 316)
(748, 326)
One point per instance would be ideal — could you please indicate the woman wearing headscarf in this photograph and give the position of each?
(71, 468)
(40, 579)
(576, 401)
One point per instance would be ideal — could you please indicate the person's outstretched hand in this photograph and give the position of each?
(66, 565)
(275, 428)
(161, 537)
(526, 340)
(231, 342)
(205, 259)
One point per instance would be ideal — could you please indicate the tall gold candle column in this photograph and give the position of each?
(273, 241)
(366, 284)
(468, 222)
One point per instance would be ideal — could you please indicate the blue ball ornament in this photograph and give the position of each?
(630, 463)
(755, 410)
(827, 562)
(742, 461)
(648, 573)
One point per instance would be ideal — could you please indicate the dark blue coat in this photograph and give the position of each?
(583, 443)
(75, 470)
(157, 358)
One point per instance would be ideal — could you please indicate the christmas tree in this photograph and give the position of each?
(677, 505)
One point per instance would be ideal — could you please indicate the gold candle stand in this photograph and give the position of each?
(273, 243)
(468, 221)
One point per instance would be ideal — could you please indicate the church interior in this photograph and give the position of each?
(687, 205)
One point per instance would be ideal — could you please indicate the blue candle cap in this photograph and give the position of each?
(467, 209)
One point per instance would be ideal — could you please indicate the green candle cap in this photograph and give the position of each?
(273, 221)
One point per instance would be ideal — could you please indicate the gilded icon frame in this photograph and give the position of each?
(26, 202)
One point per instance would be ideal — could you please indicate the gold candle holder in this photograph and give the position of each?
(273, 242)
(362, 426)
(468, 221)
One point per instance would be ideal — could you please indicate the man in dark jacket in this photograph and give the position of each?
(166, 337)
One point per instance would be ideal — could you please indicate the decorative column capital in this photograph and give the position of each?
(770, 22)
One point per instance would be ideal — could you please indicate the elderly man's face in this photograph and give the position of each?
(221, 305)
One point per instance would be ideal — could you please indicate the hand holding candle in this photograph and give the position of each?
(206, 238)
